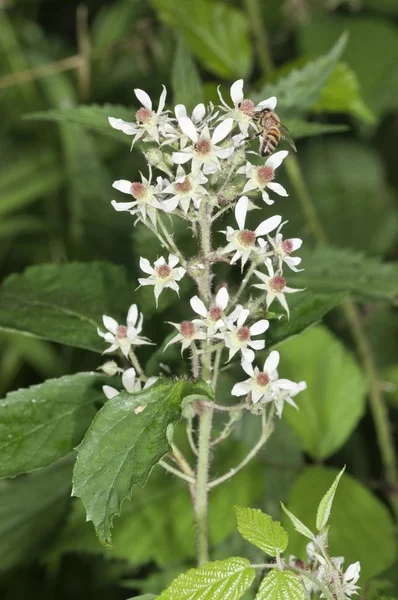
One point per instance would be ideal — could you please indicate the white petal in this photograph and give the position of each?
(244, 313)
(188, 128)
(353, 572)
(143, 98)
(198, 112)
(240, 389)
(122, 185)
(222, 298)
(272, 362)
(222, 130)
(266, 198)
(162, 100)
(248, 368)
(180, 111)
(128, 128)
(110, 392)
(160, 261)
(128, 380)
(121, 206)
(223, 153)
(198, 306)
(247, 355)
(286, 384)
(170, 204)
(296, 243)
(173, 260)
(132, 316)
(236, 91)
(269, 103)
(268, 225)
(259, 327)
(179, 158)
(257, 344)
(276, 159)
(110, 324)
(277, 188)
(241, 211)
(145, 266)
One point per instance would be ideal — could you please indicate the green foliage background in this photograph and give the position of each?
(61, 76)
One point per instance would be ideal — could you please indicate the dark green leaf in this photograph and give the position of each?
(65, 303)
(42, 423)
(121, 448)
(185, 79)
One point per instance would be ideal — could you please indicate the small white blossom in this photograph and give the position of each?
(346, 582)
(204, 152)
(124, 336)
(185, 189)
(149, 124)
(287, 391)
(260, 178)
(162, 275)
(275, 286)
(188, 332)
(212, 318)
(242, 241)
(282, 249)
(146, 201)
(131, 384)
(350, 579)
(260, 385)
(239, 337)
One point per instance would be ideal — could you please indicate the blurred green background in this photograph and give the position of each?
(64, 68)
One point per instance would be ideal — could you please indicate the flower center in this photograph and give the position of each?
(287, 246)
(203, 146)
(183, 187)
(215, 313)
(277, 283)
(187, 329)
(246, 237)
(143, 115)
(262, 379)
(121, 332)
(138, 190)
(265, 174)
(163, 272)
(247, 107)
(243, 334)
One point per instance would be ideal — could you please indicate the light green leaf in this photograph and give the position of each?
(185, 78)
(362, 527)
(299, 91)
(325, 505)
(334, 401)
(261, 530)
(298, 525)
(207, 26)
(32, 508)
(281, 585)
(214, 581)
(42, 423)
(121, 447)
(65, 303)
(144, 597)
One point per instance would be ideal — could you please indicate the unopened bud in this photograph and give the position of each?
(238, 158)
(156, 158)
(228, 195)
(109, 368)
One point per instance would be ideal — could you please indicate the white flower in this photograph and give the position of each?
(145, 194)
(212, 318)
(275, 286)
(282, 249)
(162, 275)
(350, 579)
(184, 189)
(260, 384)
(242, 241)
(260, 178)
(197, 116)
(287, 390)
(204, 151)
(238, 337)
(123, 336)
(345, 582)
(148, 124)
(131, 385)
(188, 332)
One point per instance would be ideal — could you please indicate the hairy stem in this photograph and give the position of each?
(176, 472)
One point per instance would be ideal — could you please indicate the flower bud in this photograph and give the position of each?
(228, 195)
(238, 158)
(156, 158)
(109, 368)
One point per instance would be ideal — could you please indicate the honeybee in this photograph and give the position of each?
(272, 131)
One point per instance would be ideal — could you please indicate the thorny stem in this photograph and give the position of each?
(222, 408)
(190, 437)
(195, 366)
(176, 472)
(170, 241)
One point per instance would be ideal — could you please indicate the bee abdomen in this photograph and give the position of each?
(270, 141)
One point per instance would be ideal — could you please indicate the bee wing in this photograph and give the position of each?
(285, 136)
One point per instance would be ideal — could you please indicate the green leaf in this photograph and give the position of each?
(341, 94)
(214, 581)
(329, 270)
(334, 401)
(185, 79)
(114, 22)
(325, 505)
(299, 91)
(65, 303)
(299, 128)
(144, 597)
(362, 528)
(278, 585)
(42, 423)
(121, 447)
(31, 510)
(298, 525)
(207, 26)
(261, 530)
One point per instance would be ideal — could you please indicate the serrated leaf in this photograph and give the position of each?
(281, 585)
(207, 26)
(261, 530)
(299, 91)
(215, 581)
(65, 303)
(298, 525)
(121, 447)
(40, 424)
(185, 79)
(325, 505)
